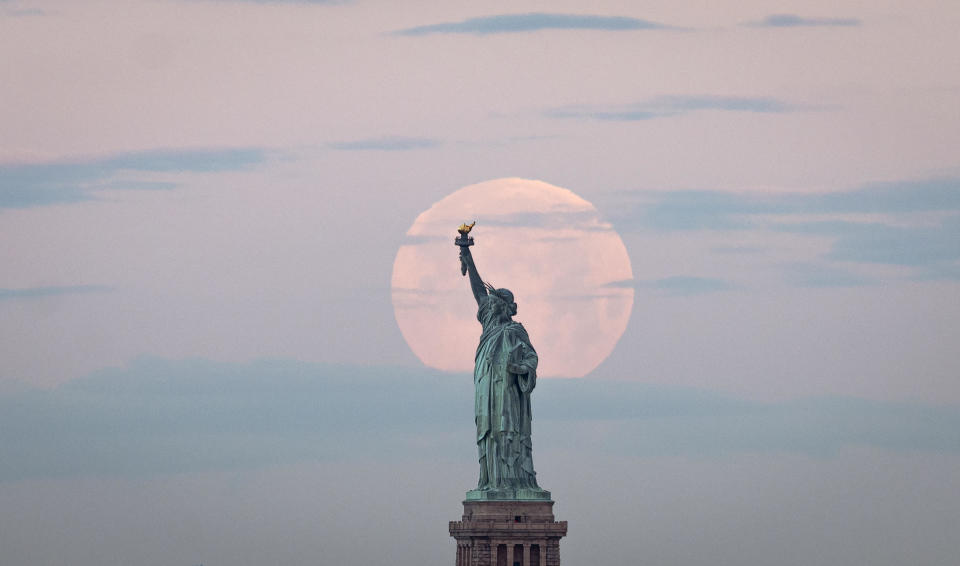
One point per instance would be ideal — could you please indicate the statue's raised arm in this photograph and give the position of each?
(467, 267)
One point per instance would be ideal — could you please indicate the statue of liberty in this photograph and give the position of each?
(504, 375)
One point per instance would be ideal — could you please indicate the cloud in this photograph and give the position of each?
(793, 20)
(677, 285)
(899, 245)
(519, 23)
(17, 12)
(38, 292)
(39, 184)
(697, 210)
(738, 250)
(667, 106)
(875, 242)
(202, 161)
(158, 416)
(938, 272)
(887, 242)
(586, 220)
(137, 185)
(712, 426)
(25, 12)
(387, 144)
(817, 275)
(941, 194)
(683, 285)
(675, 419)
(684, 210)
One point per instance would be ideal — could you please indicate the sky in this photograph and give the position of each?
(201, 204)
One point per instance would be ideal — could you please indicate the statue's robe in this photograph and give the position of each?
(502, 401)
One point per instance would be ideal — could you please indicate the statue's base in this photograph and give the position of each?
(507, 494)
(508, 532)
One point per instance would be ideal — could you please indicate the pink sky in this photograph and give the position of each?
(201, 204)
(274, 257)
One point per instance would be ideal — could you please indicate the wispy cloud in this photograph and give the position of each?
(874, 242)
(666, 420)
(38, 184)
(38, 292)
(157, 416)
(389, 143)
(793, 20)
(684, 285)
(819, 275)
(941, 194)
(530, 22)
(896, 241)
(938, 271)
(24, 12)
(685, 210)
(587, 220)
(694, 210)
(16, 11)
(200, 160)
(667, 106)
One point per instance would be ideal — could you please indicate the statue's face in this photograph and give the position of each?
(507, 297)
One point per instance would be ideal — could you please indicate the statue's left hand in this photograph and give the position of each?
(518, 368)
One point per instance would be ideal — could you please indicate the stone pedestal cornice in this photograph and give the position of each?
(493, 533)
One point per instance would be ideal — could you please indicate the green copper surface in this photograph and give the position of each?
(504, 376)
(522, 494)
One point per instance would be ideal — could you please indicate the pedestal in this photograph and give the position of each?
(508, 533)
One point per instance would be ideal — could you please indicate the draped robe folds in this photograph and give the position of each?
(502, 402)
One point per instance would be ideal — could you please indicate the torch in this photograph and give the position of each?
(464, 242)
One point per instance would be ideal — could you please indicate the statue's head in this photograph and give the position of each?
(507, 297)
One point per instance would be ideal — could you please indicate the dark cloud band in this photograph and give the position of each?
(667, 106)
(389, 143)
(519, 23)
(39, 292)
(793, 20)
(157, 416)
(39, 184)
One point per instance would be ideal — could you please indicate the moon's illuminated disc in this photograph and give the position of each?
(544, 243)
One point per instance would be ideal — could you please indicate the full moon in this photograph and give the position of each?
(566, 266)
